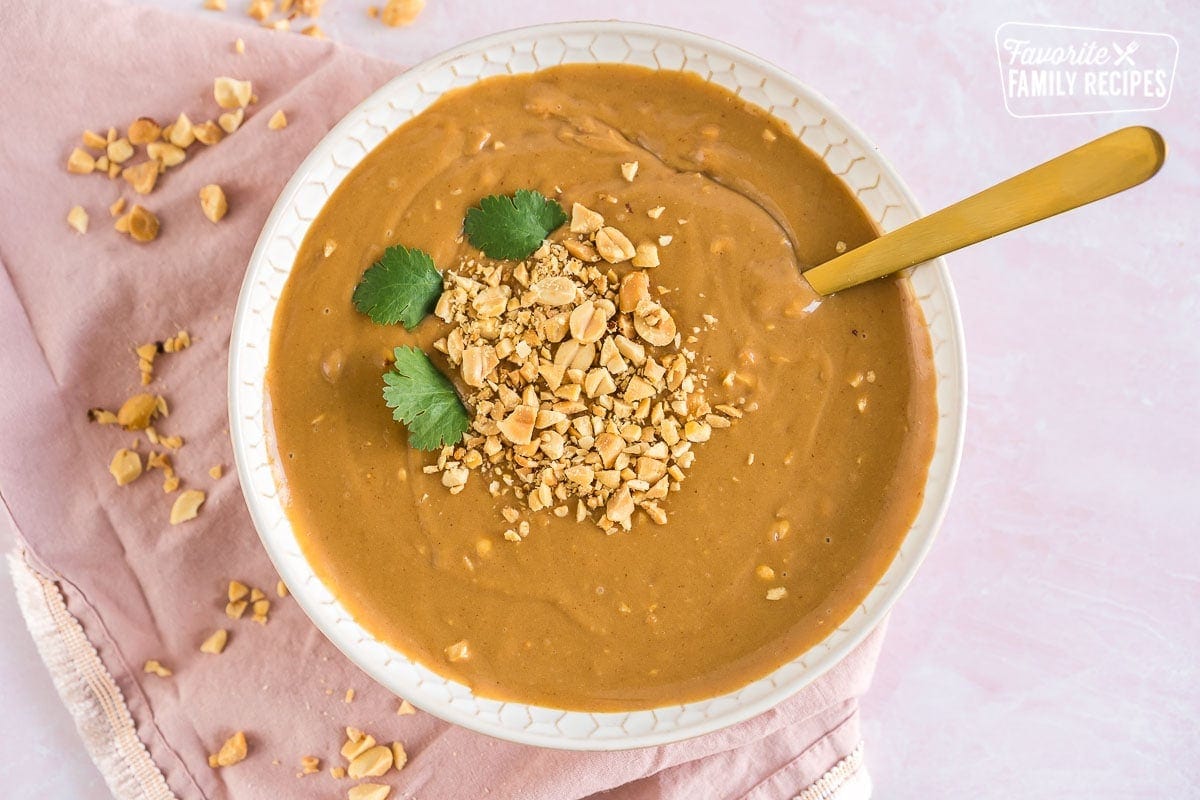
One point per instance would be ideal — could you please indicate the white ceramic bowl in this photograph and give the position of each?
(847, 153)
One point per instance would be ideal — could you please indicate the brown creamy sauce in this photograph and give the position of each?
(570, 617)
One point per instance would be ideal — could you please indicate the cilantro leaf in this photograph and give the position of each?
(424, 400)
(512, 227)
(402, 286)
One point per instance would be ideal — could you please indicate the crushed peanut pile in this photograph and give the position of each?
(585, 399)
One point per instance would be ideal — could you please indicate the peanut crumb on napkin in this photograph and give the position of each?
(215, 643)
(369, 791)
(349, 696)
(233, 751)
(337, 772)
(214, 5)
(77, 218)
(400, 12)
(126, 466)
(278, 121)
(213, 202)
(309, 765)
(371, 763)
(281, 588)
(405, 709)
(155, 668)
(186, 506)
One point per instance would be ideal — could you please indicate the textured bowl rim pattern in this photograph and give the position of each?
(847, 153)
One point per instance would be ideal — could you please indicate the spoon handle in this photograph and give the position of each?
(1110, 164)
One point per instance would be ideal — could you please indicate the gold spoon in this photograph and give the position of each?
(1110, 164)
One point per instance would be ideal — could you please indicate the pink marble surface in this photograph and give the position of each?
(1049, 646)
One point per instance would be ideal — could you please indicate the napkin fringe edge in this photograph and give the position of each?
(846, 780)
(86, 688)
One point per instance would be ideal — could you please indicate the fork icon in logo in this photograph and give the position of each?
(1125, 56)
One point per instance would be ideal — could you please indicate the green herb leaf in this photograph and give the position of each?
(424, 400)
(402, 286)
(512, 227)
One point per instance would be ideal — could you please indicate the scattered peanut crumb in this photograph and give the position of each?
(232, 93)
(401, 12)
(357, 743)
(309, 765)
(101, 416)
(143, 130)
(94, 140)
(126, 466)
(186, 506)
(349, 696)
(369, 791)
(314, 32)
(629, 170)
(256, 595)
(278, 121)
(330, 246)
(230, 121)
(764, 572)
(776, 593)
(371, 763)
(405, 709)
(260, 9)
(77, 218)
(239, 46)
(117, 207)
(840, 247)
(213, 203)
(234, 609)
(216, 641)
(154, 667)
(399, 756)
(232, 751)
(337, 772)
(260, 609)
(138, 411)
(81, 162)
(237, 591)
(214, 5)
(281, 588)
(140, 223)
(656, 212)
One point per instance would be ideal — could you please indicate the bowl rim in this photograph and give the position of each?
(863, 624)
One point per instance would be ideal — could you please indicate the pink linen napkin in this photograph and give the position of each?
(105, 582)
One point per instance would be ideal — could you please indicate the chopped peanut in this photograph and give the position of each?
(154, 667)
(77, 218)
(232, 751)
(215, 643)
(401, 12)
(213, 202)
(231, 93)
(186, 506)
